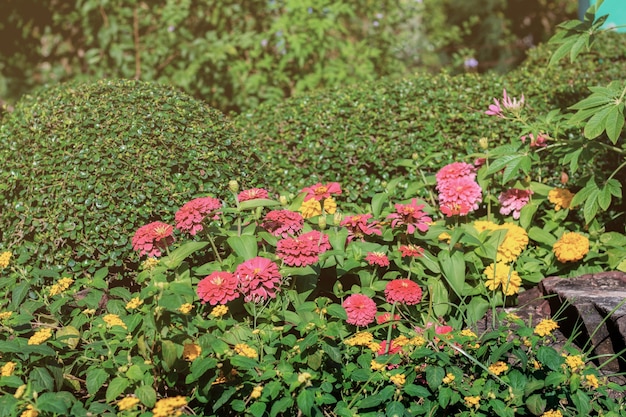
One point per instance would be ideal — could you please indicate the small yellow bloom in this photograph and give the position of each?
(330, 205)
(472, 401)
(30, 412)
(185, 308)
(468, 333)
(448, 378)
(61, 285)
(245, 350)
(20, 391)
(134, 303)
(191, 351)
(560, 197)
(304, 377)
(445, 236)
(398, 380)
(545, 327)
(114, 320)
(571, 247)
(360, 339)
(149, 264)
(89, 311)
(40, 336)
(5, 315)
(127, 403)
(401, 341)
(7, 369)
(219, 311)
(169, 407)
(552, 413)
(256, 392)
(417, 341)
(5, 257)
(536, 365)
(592, 381)
(498, 367)
(575, 362)
(500, 274)
(310, 208)
(376, 366)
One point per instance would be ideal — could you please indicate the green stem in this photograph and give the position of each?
(389, 327)
(617, 170)
(217, 254)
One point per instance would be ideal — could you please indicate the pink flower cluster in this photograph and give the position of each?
(377, 258)
(320, 191)
(508, 103)
(410, 215)
(153, 238)
(190, 216)
(252, 194)
(256, 279)
(459, 193)
(358, 226)
(403, 291)
(302, 250)
(513, 200)
(541, 141)
(411, 251)
(283, 223)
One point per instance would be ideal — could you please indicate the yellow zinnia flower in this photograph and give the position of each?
(501, 274)
(545, 327)
(330, 205)
(571, 247)
(561, 198)
(310, 208)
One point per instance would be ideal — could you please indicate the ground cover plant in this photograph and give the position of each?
(249, 302)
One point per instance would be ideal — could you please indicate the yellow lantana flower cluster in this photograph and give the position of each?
(219, 311)
(127, 403)
(575, 362)
(134, 303)
(5, 257)
(30, 411)
(571, 247)
(360, 339)
(498, 367)
(40, 336)
(448, 378)
(191, 351)
(398, 380)
(7, 369)
(560, 197)
(114, 320)
(472, 401)
(5, 315)
(185, 308)
(169, 407)
(256, 392)
(245, 350)
(62, 285)
(546, 327)
(552, 413)
(149, 264)
(500, 275)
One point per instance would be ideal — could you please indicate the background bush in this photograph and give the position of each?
(369, 134)
(86, 164)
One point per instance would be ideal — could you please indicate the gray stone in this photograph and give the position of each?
(592, 309)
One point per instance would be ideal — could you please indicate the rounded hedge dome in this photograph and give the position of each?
(85, 165)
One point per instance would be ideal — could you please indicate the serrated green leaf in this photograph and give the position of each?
(55, 402)
(604, 198)
(116, 387)
(614, 124)
(96, 377)
(591, 206)
(305, 401)
(147, 395)
(597, 124)
(281, 406)
(536, 404)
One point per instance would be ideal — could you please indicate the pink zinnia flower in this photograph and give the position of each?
(190, 216)
(152, 238)
(455, 170)
(360, 308)
(218, 288)
(385, 317)
(320, 191)
(283, 222)
(443, 329)
(377, 258)
(302, 250)
(358, 226)
(252, 194)
(410, 215)
(403, 291)
(411, 251)
(513, 200)
(459, 196)
(258, 279)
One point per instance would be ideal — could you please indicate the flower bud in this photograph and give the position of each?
(321, 222)
(233, 186)
(337, 218)
(415, 156)
(20, 391)
(283, 200)
(483, 143)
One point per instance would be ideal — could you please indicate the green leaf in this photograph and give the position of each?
(96, 377)
(257, 409)
(591, 206)
(434, 376)
(583, 194)
(394, 409)
(281, 406)
(147, 395)
(245, 246)
(439, 296)
(377, 203)
(541, 236)
(550, 357)
(18, 294)
(614, 124)
(258, 202)
(337, 311)
(453, 268)
(174, 259)
(41, 379)
(243, 362)
(536, 404)
(526, 215)
(116, 387)
(561, 51)
(305, 401)
(582, 403)
(134, 372)
(604, 197)
(597, 124)
(56, 402)
(169, 350)
(376, 399)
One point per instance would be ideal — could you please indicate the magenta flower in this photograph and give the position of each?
(190, 216)
(411, 251)
(454, 171)
(302, 250)
(320, 191)
(507, 102)
(403, 291)
(258, 279)
(153, 238)
(218, 288)
(459, 196)
(513, 200)
(358, 226)
(283, 222)
(377, 258)
(410, 215)
(252, 194)
(360, 308)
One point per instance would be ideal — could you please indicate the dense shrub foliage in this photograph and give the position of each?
(368, 134)
(85, 164)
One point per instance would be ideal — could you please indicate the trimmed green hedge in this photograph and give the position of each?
(84, 165)
(365, 135)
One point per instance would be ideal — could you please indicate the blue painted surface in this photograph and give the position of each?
(616, 9)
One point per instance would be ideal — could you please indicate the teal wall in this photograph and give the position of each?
(616, 9)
